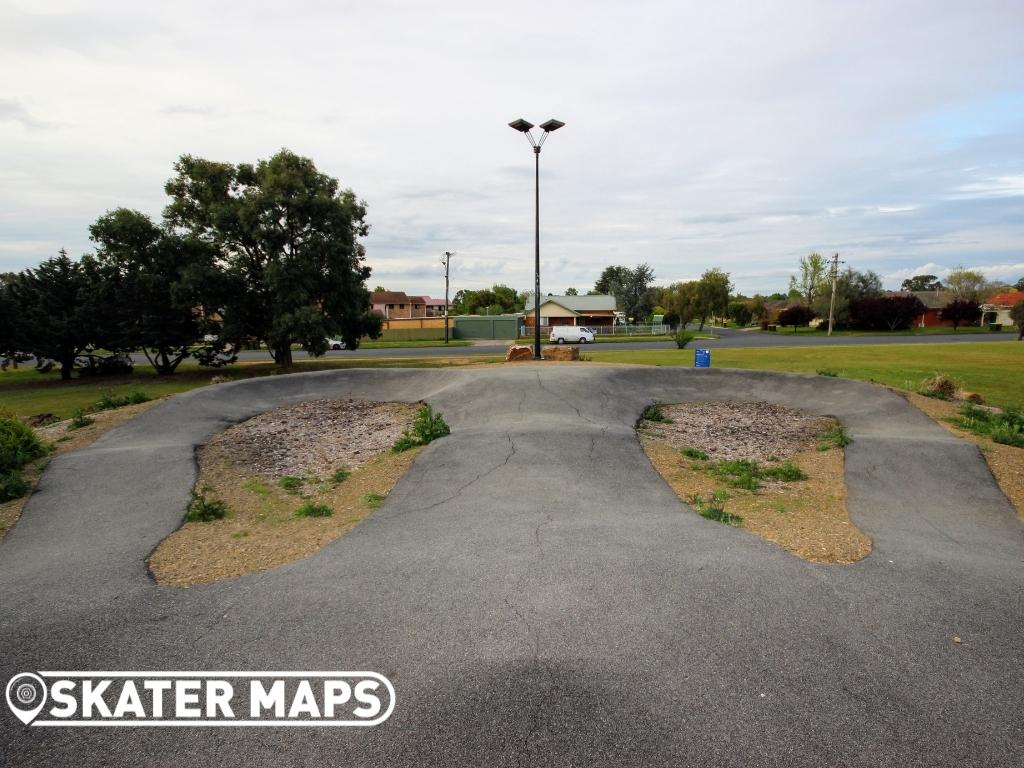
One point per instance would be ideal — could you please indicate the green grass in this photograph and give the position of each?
(787, 471)
(694, 453)
(929, 331)
(313, 509)
(340, 475)
(426, 427)
(994, 370)
(373, 500)
(290, 483)
(834, 437)
(27, 393)
(1006, 428)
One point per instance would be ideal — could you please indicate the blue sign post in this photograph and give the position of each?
(702, 358)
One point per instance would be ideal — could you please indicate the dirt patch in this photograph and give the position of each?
(807, 517)
(728, 430)
(65, 440)
(1005, 461)
(322, 452)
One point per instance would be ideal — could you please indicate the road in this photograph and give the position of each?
(538, 594)
(728, 338)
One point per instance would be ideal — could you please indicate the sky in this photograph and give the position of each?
(738, 135)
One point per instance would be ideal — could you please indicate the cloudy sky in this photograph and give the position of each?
(740, 135)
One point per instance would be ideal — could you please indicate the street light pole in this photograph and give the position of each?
(524, 127)
(446, 261)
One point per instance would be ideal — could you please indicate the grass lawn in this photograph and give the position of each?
(28, 393)
(930, 331)
(996, 371)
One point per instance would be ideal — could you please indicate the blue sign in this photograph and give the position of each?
(702, 358)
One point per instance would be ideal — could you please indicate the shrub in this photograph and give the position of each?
(109, 400)
(880, 313)
(796, 315)
(312, 509)
(290, 483)
(426, 427)
(12, 485)
(961, 312)
(654, 412)
(18, 443)
(787, 471)
(340, 475)
(939, 386)
(834, 437)
(79, 420)
(694, 453)
(828, 372)
(682, 338)
(204, 510)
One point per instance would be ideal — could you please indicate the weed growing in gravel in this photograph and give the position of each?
(256, 487)
(373, 500)
(312, 509)
(204, 510)
(694, 453)
(1006, 427)
(787, 471)
(290, 483)
(834, 437)
(109, 400)
(427, 427)
(654, 412)
(713, 508)
(79, 420)
(739, 473)
(340, 475)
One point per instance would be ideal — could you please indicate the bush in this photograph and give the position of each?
(961, 312)
(828, 372)
(312, 509)
(796, 315)
(18, 444)
(682, 338)
(426, 427)
(204, 510)
(939, 386)
(340, 475)
(109, 400)
(12, 485)
(885, 313)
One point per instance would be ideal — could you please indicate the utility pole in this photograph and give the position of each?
(446, 261)
(832, 304)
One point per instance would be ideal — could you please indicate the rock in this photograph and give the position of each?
(519, 352)
(562, 353)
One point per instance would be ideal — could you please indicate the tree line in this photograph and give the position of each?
(250, 253)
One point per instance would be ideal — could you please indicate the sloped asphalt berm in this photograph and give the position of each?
(539, 596)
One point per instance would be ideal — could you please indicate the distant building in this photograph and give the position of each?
(933, 302)
(997, 308)
(572, 310)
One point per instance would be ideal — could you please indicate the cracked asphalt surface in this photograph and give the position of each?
(539, 596)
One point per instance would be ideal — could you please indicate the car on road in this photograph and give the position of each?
(335, 343)
(573, 334)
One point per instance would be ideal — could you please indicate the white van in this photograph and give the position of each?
(574, 334)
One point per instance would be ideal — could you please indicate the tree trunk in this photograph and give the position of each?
(283, 356)
(66, 366)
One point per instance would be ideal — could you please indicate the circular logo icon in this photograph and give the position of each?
(26, 695)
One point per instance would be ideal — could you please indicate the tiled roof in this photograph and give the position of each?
(389, 297)
(1007, 299)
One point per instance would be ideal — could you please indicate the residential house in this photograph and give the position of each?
(997, 308)
(396, 305)
(435, 307)
(933, 302)
(572, 310)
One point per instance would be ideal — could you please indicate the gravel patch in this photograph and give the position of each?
(313, 438)
(731, 430)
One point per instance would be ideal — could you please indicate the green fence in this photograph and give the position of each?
(411, 334)
(484, 327)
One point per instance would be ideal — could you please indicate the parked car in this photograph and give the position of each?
(574, 334)
(335, 344)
